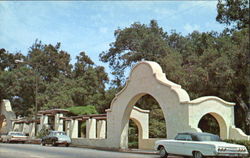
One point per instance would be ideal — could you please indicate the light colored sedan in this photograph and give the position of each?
(55, 138)
(14, 137)
(199, 145)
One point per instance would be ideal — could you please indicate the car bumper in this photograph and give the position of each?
(232, 154)
(17, 140)
(63, 142)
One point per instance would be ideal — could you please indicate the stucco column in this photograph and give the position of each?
(16, 126)
(91, 128)
(26, 128)
(74, 127)
(44, 119)
(58, 122)
(32, 129)
(20, 127)
(101, 129)
(68, 126)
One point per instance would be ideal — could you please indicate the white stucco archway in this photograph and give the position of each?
(181, 114)
(147, 78)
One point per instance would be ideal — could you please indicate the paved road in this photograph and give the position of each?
(38, 151)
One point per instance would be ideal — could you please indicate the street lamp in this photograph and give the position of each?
(36, 85)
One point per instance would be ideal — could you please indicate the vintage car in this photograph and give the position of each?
(55, 138)
(199, 145)
(14, 137)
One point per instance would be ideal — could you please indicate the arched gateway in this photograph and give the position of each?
(181, 114)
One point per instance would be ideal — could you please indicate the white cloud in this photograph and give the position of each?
(190, 28)
(103, 30)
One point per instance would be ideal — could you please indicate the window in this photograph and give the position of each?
(185, 137)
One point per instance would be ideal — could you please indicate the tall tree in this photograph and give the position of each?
(234, 13)
(48, 60)
(134, 44)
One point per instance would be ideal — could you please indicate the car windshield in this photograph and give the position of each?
(208, 137)
(60, 133)
(17, 134)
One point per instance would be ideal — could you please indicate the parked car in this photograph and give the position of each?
(55, 138)
(14, 137)
(199, 145)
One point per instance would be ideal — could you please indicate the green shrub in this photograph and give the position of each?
(133, 144)
(43, 132)
(83, 110)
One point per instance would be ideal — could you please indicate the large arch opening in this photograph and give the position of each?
(133, 135)
(213, 123)
(156, 123)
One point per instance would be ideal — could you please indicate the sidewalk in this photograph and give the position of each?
(139, 151)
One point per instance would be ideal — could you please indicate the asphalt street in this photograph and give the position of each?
(38, 151)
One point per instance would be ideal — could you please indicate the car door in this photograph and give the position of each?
(50, 136)
(188, 145)
(182, 144)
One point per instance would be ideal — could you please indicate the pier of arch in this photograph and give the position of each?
(6, 116)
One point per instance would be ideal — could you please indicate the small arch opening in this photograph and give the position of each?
(209, 124)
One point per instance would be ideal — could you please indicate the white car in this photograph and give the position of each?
(14, 137)
(199, 145)
(55, 138)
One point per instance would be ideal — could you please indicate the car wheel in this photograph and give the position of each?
(54, 143)
(43, 143)
(67, 145)
(197, 154)
(163, 153)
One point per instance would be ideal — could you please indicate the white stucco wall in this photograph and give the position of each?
(6, 111)
(222, 111)
(147, 78)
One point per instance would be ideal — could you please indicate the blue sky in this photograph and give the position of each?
(89, 26)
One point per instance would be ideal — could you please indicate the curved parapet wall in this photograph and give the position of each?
(159, 76)
(6, 115)
(207, 98)
(238, 134)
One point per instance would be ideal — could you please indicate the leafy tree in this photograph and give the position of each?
(234, 13)
(48, 60)
(204, 64)
(134, 44)
(58, 85)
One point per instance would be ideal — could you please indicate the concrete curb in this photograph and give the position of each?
(136, 151)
